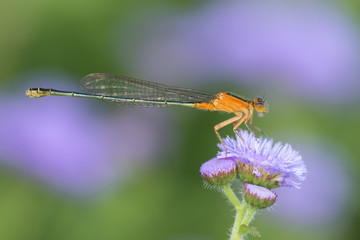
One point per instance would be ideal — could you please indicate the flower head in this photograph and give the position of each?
(218, 172)
(259, 162)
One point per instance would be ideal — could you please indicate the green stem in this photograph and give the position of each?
(249, 214)
(240, 211)
(244, 228)
(244, 214)
(231, 197)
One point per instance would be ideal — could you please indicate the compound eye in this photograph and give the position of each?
(260, 100)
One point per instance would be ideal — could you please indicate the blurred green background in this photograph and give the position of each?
(81, 169)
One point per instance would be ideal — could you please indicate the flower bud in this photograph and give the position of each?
(218, 172)
(258, 197)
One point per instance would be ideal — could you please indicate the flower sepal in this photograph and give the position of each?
(259, 176)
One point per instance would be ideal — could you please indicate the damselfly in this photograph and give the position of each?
(127, 90)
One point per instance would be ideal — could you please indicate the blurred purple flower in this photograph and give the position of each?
(279, 163)
(311, 49)
(69, 146)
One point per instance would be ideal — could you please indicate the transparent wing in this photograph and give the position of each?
(131, 88)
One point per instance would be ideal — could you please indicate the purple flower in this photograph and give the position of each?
(261, 163)
(218, 172)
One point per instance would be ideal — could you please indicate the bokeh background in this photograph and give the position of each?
(84, 169)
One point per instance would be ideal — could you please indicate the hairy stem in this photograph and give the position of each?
(240, 212)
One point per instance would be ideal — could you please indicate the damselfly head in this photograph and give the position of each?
(260, 105)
